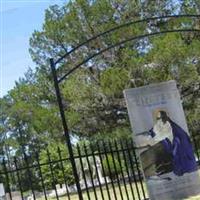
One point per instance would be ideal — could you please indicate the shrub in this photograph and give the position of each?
(113, 164)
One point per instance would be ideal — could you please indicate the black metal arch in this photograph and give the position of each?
(123, 42)
(122, 26)
(58, 81)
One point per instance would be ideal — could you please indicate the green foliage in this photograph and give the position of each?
(56, 165)
(117, 133)
(93, 95)
(111, 166)
(114, 80)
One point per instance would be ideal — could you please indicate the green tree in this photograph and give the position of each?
(93, 95)
(56, 165)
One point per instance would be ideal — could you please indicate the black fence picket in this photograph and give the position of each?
(121, 169)
(103, 170)
(7, 181)
(18, 172)
(96, 170)
(83, 173)
(41, 175)
(63, 173)
(127, 169)
(120, 178)
(52, 174)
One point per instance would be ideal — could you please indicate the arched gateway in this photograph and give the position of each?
(59, 80)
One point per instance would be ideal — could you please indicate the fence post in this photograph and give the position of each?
(109, 169)
(96, 170)
(138, 169)
(65, 127)
(29, 176)
(18, 178)
(7, 179)
(63, 173)
(83, 172)
(103, 170)
(115, 168)
(133, 170)
(121, 168)
(127, 169)
(90, 170)
(40, 174)
(52, 173)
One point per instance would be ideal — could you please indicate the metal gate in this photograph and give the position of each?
(58, 80)
(106, 170)
(117, 160)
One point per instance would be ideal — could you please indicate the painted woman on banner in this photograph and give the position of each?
(176, 142)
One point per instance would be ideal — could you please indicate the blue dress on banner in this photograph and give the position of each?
(183, 159)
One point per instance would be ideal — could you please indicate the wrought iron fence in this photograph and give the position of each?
(107, 170)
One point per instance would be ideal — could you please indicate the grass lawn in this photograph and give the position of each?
(105, 193)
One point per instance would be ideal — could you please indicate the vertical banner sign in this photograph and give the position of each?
(163, 142)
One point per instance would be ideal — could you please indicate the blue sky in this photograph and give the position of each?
(19, 18)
